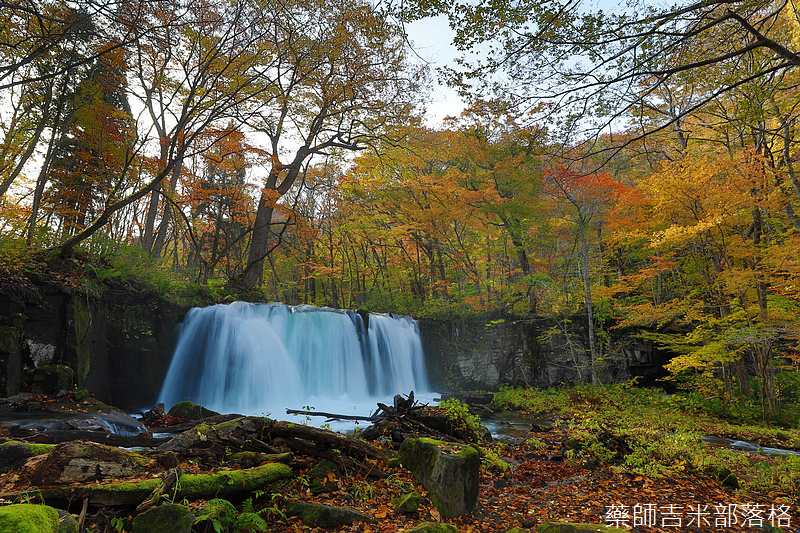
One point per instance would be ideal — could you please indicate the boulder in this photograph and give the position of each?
(191, 411)
(50, 379)
(167, 517)
(324, 516)
(407, 503)
(30, 518)
(451, 479)
(81, 461)
(552, 527)
(67, 522)
(319, 478)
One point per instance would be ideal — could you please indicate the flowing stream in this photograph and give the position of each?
(263, 358)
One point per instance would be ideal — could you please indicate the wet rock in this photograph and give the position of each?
(452, 480)
(191, 411)
(325, 516)
(167, 517)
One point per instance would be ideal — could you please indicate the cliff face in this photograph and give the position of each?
(119, 342)
(537, 352)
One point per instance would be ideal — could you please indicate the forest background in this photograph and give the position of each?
(635, 167)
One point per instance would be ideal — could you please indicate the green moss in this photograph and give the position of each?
(28, 518)
(13, 454)
(200, 485)
(167, 517)
(191, 411)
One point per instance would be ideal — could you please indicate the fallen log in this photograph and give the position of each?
(57, 436)
(348, 444)
(190, 486)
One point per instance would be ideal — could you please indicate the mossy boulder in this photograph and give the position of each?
(433, 527)
(50, 379)
(167, 517)
(28, 518)
(552, 527)
(324, 516)
(14, 454)
(724, 475)
(191, 411)
(407, 503)
(67, 522)
(319, 478)
(451, 479)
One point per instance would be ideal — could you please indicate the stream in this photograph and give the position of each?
(507, 427)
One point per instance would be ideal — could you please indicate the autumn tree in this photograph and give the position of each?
(338, 76)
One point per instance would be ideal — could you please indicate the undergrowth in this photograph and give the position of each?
(648, 432)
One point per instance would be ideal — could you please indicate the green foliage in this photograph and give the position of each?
(224, 518)
(461, 419)
(361, 491)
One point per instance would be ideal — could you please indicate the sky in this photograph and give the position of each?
(432, 38)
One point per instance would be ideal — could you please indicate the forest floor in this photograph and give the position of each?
(542, 485)
(613, 456)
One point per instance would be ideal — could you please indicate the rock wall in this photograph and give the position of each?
(486, 354)
(118, 343)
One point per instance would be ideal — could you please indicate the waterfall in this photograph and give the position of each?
(262, 358)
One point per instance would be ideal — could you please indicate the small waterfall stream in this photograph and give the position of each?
(262, 358)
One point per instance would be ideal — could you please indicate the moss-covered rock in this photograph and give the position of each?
(725, 477)
(319, 479)
(13, 454)
(191, 411)
(28, 518)
(167, 517)
(407, 503)
(50, 379)
(324, 516)
(432, 527)
(451, 479)
(67, 522)
(552, 527)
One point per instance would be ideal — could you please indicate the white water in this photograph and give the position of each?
(263, 358)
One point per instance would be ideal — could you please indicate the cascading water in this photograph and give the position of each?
(262, 358)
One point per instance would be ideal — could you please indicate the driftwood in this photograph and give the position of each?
(333, 416)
